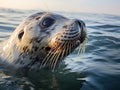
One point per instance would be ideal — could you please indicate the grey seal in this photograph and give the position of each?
(43, 40)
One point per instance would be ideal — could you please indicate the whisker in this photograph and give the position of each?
(57, 58)
(70, 47)
(53, 59)
(63, 52)
(48, 56)
(66, 52)
(82, 47)
(57, 54)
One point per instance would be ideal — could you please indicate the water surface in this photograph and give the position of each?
(97, 69)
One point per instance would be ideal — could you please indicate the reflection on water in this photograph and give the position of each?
(97, 69)
(61, 79)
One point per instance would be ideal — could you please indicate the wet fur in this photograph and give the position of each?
(28, 45)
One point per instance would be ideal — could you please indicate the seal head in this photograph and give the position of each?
(43, 40)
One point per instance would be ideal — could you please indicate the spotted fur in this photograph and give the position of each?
(33, 47)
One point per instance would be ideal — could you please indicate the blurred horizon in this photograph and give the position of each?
(85, 6)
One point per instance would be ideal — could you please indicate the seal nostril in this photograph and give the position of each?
(80, 22)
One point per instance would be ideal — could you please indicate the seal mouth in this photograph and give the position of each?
(65, 42)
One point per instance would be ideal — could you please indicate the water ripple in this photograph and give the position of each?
(97, 69)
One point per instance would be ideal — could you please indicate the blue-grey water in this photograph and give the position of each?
(97, 69)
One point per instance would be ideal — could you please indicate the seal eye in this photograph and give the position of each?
(47, 22)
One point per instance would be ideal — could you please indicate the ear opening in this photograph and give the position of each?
(20, 35)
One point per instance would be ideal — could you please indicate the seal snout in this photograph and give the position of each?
(73, 30)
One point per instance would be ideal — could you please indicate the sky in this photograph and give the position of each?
(92, 6)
